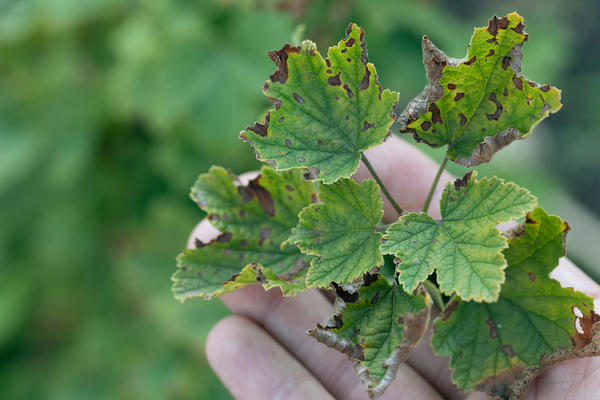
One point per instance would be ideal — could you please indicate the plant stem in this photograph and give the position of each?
(435, 294)
(435, 183)
(381, 185)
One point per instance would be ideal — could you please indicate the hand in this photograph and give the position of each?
(263, 351)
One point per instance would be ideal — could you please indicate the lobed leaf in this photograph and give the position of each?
(464, 247)
(376, 324)
(254, 220)
(499, 348)
(327, 111)
(482, 103)
(341, 232)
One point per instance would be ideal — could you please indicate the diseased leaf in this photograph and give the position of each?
(499, 348)
(254, 220)
(341, 232)
(326, 110)
(464, 247)
(482, 103)
(376, 325)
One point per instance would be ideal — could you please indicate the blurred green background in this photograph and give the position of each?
(108, 111)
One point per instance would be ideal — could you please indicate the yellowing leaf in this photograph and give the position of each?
(255, 219)
(376, 325)
(480, 104)
(464, 247)
(341, 232)
(499, 348)
(327, 111)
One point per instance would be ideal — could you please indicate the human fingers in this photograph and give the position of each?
(253, 365)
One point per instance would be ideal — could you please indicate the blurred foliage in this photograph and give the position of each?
(108, 111)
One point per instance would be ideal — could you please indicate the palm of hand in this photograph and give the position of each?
(263, 352)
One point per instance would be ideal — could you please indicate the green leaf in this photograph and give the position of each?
(482, 103)
(341, 232)
(327, 111)
(255, 219)
(377, 325)
(535, 321)
(464, 247)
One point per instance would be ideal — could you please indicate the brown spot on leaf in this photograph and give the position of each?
(224, 237)
(334, 80)
(367, 126)
(545, 88)
(519, 28)
(451, 86)
(532, 84)
(260, 129)
(344, 50)
(496, 23)
(349, 60)
(491, 53)
(506, 62)
(459, 96)
(436, 115)
(493, 329)
(508, 350)
(368, 279)
(364, 84)
(255, 190)
(463, 119)
(470, 60)
(463, 182)
(425, 125)
(289, 188)
(199, 243)
(531, 276)
(517, 82)
(348, 91)
(375, 298)
(450, 308)
(350, 42)
(496, 115)
(280, 120)
(280, 58)
(346, 296)
(264, 235)
(298, 98)
(311, 174)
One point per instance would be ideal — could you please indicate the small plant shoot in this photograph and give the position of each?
(303, 222)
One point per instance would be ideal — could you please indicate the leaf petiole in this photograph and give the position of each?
(434, 184)
(380, 183)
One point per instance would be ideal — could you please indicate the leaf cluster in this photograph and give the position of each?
(304, 223)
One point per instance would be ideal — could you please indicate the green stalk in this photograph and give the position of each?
(381, 185)
(434, 184)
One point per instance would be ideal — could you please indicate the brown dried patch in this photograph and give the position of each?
(224, 237)
(448, 310)
(343, 294)
(280, 58)
(298, 98)
(459, 96)
(506, 62)
(451, 86)
(255, 190)
(470, 60)
(334, 80)
(436, 115)
(545, 88)
(463, 119)
(493, 329)
(488, 147)
(364, 84)
(367, 126)
(260, 129)
(519, 28)
(350, 42)
(496, 115)
(375, 298)
(463, 182)
(491, 53)
(348, 91)
(517, 82)
(425, 125)
(495, 24)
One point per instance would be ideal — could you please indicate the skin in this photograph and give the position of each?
(262, 351)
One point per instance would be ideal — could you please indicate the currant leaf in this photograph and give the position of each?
(341, 232)
(376, 324)
(254, 220)
(464, 247)
(482, 103)
(327, 111)
(499, 348)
